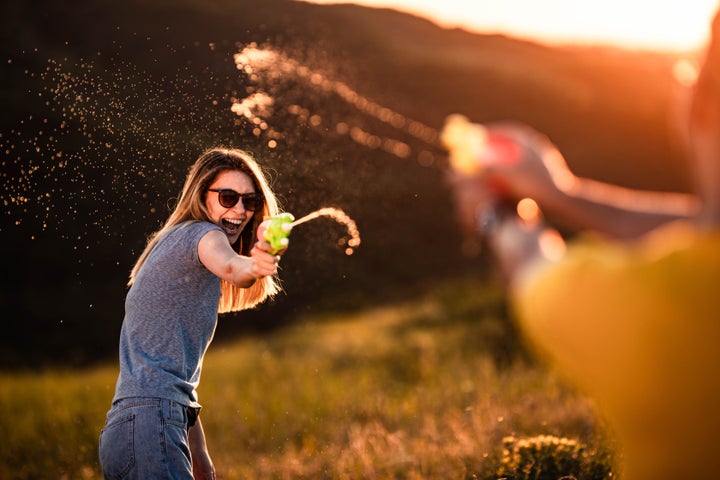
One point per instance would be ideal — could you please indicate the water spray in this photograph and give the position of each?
(276, 229)
(265, 65)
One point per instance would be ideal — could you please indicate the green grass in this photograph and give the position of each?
(428, 389)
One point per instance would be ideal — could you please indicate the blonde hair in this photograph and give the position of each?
(191, 207)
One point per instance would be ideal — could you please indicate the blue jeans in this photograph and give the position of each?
(145, 439)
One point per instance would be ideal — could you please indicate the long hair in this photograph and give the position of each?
(191, 207)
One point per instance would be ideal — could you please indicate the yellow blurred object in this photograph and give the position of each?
(637, 327)
(466, 142)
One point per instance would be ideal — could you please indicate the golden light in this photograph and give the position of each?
(685, 72)
(528, 210)
(552, 245)
(649, 24)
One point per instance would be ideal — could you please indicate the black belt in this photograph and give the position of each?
(192, 415)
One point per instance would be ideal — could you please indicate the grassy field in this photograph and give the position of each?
(439, 387)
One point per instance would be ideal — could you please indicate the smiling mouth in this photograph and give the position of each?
(231, 227)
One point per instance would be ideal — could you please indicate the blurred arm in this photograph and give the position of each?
(615, 211)
(543, 175)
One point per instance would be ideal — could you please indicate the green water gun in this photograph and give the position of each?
(276, 230)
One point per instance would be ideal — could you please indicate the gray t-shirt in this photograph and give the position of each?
(171, 312)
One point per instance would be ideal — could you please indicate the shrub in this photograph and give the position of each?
(546, 457)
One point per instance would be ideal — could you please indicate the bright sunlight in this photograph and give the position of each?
(676, 25)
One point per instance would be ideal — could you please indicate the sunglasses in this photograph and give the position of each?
(229, 198)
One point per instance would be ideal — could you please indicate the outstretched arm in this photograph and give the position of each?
(218, 256)
(543, 175)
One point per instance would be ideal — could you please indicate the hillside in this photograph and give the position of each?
(107, 103)
(433, 388)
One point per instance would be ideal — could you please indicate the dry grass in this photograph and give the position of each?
(428, 389)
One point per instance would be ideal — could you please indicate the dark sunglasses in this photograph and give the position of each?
(229, 198)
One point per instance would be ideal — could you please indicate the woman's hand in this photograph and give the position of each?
(528, 165)
(203, 468)
(539, 172)
(264, 263)
(202, 465)
(518, 243)
(217, 255)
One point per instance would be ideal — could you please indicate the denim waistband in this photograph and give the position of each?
(171, 410)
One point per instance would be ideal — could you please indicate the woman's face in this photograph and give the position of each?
(232, 219)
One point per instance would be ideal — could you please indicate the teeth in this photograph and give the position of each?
(234, 222)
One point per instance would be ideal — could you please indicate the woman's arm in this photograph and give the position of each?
(203, 468)
(542, 174)
(615, 211)
(216, 254)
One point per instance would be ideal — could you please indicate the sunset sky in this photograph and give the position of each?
(647, 24)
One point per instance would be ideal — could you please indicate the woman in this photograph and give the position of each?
(205, 260)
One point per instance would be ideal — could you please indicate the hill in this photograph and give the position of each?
(433, 388)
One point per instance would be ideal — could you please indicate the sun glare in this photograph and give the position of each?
(676, 25)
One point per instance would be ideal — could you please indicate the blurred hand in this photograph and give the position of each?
(538, 173)
(537, 170)
(471, 198)
(517, 243)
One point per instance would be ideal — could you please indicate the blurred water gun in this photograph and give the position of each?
(479, 202)
(472, 147)
(276, 231)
